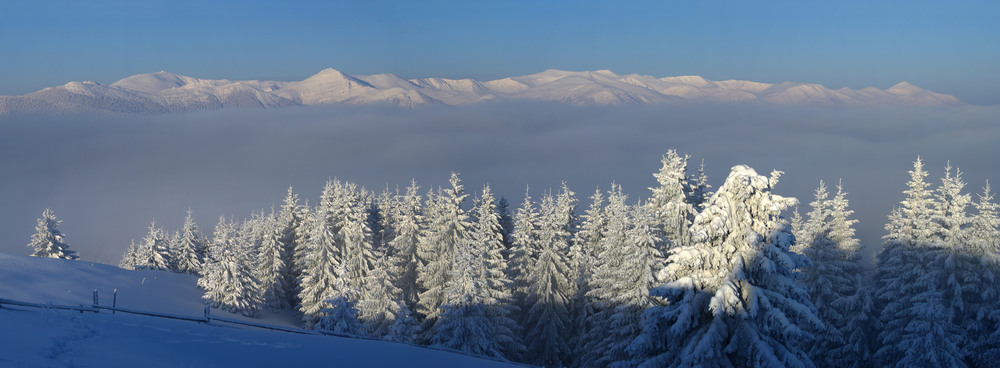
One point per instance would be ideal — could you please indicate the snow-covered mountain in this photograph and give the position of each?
(164, 92)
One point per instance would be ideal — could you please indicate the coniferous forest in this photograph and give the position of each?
(696, 275)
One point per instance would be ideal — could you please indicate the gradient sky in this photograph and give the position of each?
(948, 47)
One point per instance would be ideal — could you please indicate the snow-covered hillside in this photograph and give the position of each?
(164, 92)
(46, 338)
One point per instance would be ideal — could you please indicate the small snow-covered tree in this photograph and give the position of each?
(405, 327)
(339, 316)
(698, 189)
(129, 259)
(669, 202)
(48, 241)
(730, 296)
(228, 278)
(190, 247)
(157, 249)
(378, 304)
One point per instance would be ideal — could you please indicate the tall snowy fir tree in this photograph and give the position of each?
(289, 222)
(827, 239)
(906, 271)
(357, 247)
(524, 242)
(547, 311)
(464, 323)
(272, 267)
(324, 273)
(669, 202)
(730, 296)
(487, 239)
(984, 237)
(963, 273)
(586, 243)
(623, 276)
(190, 247)
(48, 241)
(379, 301)
(405, 260)
(447, 226)
(228, 278)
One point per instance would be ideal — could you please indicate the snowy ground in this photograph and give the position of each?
(32, 337)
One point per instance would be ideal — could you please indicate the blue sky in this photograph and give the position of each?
(949, 47)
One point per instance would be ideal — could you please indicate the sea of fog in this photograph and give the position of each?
(108, 177)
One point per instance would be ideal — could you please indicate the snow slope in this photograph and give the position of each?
(164, 92)
(44, 338)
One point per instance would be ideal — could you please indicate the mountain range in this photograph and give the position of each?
(163, 92)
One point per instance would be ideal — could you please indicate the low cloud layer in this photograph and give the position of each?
(108, 178)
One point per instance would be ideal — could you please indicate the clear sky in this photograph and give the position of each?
(946, 46)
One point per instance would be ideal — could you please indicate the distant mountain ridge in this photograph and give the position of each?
(163, 92)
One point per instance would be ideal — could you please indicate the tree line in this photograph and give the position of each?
(687, 277)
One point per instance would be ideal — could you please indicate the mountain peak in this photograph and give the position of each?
(153, 82)
(904, 87)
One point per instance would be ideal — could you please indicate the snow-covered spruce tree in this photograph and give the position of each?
(586, 242)
(486, 235)
(357, 249)
(228, 279)
(639, 259)
(48, 241)
(289, 220)
(506, 225)
(669, 202)
(832, 280)
(858, 349)
(547, 314)
(404, 326)
(905, 270)
(967, 283)
(378, 303)
(189, 247)
(447, 225)
(338, 313)
(323, 274)
(272, 269)
(622, 279)
(731, 298)
(929, 339)
(524, 242)
(129, 259)
(984, 239)
(158, 249)
(698, 189)
(908, 267)
(300, 252)
(464, 323)
(405, 261)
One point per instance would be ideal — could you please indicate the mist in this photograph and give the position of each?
(108, 177)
